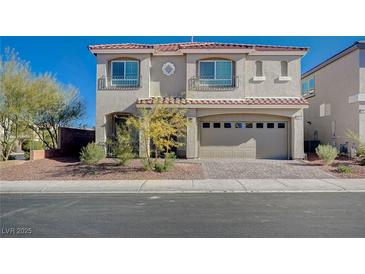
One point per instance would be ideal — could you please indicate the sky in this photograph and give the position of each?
(70, 61)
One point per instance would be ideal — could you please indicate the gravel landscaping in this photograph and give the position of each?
(72, 169)
(358, 171)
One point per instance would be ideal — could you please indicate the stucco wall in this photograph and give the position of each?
(166, 86)
(334, 84)
(110, 101)
(155, 83)
(192, 71)
(272, 86)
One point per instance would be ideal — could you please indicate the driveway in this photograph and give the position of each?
(262, 169)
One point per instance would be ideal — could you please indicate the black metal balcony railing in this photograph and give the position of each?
(196, 83)
(118, 83)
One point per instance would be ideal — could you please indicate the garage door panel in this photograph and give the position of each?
(247, 143)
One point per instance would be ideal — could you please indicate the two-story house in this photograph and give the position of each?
(241, 101)
(335, 90)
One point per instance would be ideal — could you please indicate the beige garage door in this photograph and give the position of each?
(247, 140)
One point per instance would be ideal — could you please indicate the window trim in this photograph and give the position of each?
(215, 68)
(284, 78)
(309, 90)
(259, 78)
(125, 71)
(284, 68)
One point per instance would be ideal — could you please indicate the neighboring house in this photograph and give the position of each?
(241, 101)
(335, 90)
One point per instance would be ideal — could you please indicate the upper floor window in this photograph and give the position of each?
(125, 73)
(304, 87)
(259, 69)
(216, 73)
(284, 68)
(308, 86)
(311, 84)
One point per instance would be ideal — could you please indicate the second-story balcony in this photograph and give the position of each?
(118, 83)
(198, 84)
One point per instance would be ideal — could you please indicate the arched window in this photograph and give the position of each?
(284, 68)
(124, 73)
(259, 69)
(216, 73)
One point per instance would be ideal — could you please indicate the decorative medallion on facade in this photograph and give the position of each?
(168, 68)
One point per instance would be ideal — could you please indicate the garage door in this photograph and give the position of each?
(244, 139)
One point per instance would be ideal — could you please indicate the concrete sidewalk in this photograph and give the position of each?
(181, 186)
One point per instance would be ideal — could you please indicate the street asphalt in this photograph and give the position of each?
(324, 214)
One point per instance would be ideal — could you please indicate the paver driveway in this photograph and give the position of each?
(261, 169)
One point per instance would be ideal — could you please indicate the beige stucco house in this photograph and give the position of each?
(241, 101)
(335, 90)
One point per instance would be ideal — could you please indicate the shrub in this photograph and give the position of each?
(167, 164)
(147, 164)
(160, 167)
(92, 153)
(360, 145)
(344, 169)
(326, 153)
(29, 145)
(169, 160)
(122, 147)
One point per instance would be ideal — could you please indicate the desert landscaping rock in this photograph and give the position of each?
(71, 169)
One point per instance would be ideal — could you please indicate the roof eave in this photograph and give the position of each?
(120, 51)
(281, 52)
(299, 106)
(216, 50)
(357, 45)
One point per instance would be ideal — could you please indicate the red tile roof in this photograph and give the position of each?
(196, 45)
(246, 101)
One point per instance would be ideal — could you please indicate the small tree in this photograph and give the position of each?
(57, 105)
(92, 153)
(122, 147)
(327, 153)
(14, 101)
(161, 126)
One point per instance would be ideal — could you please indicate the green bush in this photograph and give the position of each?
(326, 153)
(167, 164)
(146, 164)
(122, 148)
(169, 160)
(92, 153)
(360, 145)
(344, 169)
(361, 154)
(28, 145)
(160, 167)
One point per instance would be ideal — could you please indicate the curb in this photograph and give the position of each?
(185, 186)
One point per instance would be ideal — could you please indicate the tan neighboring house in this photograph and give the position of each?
(241, 101)
(335, 90)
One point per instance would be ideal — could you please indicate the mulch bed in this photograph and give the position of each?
(358, 171)
(71, 169)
